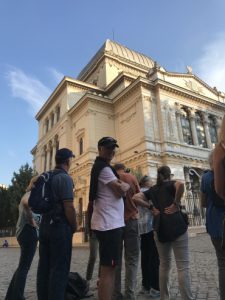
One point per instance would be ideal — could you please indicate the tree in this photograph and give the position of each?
(13, 195)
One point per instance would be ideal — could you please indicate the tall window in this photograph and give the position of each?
(47, 125)
(186, 128)
(81, 146)
(200, 131)
(57, 142)
(52, 120)
(57, 113)
(212, 130)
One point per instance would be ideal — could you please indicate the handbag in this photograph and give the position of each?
(169, 227)
(184, 214)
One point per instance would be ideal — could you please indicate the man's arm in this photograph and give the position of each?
(174, 207)
(119, 187)
(140, 199)
(70, 214)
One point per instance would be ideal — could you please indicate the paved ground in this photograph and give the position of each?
(203, 270)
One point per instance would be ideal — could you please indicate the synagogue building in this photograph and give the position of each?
(158, 118)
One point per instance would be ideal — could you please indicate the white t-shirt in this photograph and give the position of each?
(108, 212)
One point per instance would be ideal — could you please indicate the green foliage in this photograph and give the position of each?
(10, 198)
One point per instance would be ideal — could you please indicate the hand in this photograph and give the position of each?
(155, 211)
(171, 209)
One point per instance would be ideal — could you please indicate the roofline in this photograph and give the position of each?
(58, 89)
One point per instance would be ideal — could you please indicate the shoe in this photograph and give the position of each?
(154, 293)
(143, 291)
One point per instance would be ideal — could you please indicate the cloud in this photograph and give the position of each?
(27, 88)
(57, 76)
(211, 65)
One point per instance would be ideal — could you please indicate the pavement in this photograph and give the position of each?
(203, 271)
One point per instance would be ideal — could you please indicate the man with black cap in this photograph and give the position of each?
(56, 231)
(106, 192)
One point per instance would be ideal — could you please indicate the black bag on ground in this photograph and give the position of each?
(77, 287)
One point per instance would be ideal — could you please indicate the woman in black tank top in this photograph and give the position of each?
(170, 232)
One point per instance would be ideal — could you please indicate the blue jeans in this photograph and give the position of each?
(28, 244)
(55, 247)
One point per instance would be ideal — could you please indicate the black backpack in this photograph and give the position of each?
(216, 199)
(77, 287)
(41, 200)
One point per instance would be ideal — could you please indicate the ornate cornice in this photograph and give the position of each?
(188, 94)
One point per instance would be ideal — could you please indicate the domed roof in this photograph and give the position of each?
(122, 53)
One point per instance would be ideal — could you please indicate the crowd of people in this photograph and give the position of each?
(126, 218)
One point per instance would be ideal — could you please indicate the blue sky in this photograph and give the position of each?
(40, 41)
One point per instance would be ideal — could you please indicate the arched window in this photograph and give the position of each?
(186, 128)
(200, 131)
(81, 146)
(213, 130)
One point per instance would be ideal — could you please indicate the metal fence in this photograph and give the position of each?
(195, 212)
(193, 207)
(81, 227)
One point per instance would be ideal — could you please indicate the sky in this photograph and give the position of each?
(43, 40)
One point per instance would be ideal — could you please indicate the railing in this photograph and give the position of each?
(195, 212)
(7, 231)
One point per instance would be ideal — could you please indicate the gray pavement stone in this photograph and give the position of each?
(203, 270)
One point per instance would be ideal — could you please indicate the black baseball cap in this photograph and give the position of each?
(108, 142)
(63, 154)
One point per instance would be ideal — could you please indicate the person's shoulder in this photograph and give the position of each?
(61, 177)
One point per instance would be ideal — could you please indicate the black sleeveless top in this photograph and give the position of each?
(168, 227)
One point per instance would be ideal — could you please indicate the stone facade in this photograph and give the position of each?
(158, 117)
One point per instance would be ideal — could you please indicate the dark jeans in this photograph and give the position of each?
(55, 247)
(149, 262)
(28, 244)
(220, 253)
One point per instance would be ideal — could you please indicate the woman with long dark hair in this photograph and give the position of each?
(170, 231)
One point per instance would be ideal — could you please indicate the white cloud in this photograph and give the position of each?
(57, 76)
(211, 65)
(27, 88)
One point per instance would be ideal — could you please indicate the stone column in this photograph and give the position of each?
(206, 129)
(191, 113)
(178, 120)
(218, 121)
